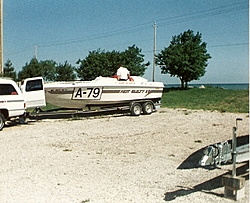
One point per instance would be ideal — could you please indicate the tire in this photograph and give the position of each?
(2, 121)
(147, 108)
(135, 109)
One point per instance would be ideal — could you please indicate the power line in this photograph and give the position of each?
(212, 46)
(19, 50)
(144, 26)
(229, 45)
(203, 14)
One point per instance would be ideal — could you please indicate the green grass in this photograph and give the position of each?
(235, 101)
(49, 106)
(222, 100)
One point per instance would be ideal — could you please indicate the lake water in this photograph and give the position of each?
(232, 86)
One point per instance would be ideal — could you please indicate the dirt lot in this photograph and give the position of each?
(118, 158)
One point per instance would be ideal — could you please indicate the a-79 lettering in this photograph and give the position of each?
(89, 93)
(94, 91)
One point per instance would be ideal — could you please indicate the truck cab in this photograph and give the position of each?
(14, 101)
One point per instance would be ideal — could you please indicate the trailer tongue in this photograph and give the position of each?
(223, 152)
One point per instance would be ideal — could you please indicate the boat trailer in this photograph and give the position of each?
(136, 108)
(234, 186)
(223, 152)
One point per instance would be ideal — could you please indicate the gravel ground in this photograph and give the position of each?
(118, 158)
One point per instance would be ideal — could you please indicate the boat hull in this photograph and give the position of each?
(101, 93)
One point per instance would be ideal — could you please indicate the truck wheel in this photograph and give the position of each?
(2, 121)
(147, 108)
(135, 109)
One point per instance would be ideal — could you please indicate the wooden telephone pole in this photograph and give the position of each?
(154, 62)
(1, 37)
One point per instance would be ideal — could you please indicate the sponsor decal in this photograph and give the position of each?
(136, 91)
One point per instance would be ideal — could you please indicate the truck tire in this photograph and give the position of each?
(147, 108)
(135, 109)
(2, 121)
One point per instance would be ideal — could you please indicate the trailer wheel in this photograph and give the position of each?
(2, 121)
(135, 109)
(147, 108)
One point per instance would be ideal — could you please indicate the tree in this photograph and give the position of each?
(97, 63)
(35, 68)
(133, 60)
(9, 70)
(48, 70)
(186, 57)
(31, 69)
(102, 63)
(65, 72)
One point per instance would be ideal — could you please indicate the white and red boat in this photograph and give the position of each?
(139, 94)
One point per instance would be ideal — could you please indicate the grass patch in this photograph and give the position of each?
(236, 101)
(210, 98)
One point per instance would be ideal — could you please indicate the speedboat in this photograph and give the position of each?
(104, 91)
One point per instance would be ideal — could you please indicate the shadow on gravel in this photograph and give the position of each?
(193, 160)
(207, 186)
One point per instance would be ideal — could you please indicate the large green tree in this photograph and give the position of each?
(186, 57)
(31, 69)
(9, 70)
(65, 72)
(105, 63)
(133, 59)
(48, 70)
(97, 63)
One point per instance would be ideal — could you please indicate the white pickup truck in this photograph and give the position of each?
(14, 100)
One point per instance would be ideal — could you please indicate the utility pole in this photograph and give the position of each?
(154, 62)
(1, 37)
(35, 52)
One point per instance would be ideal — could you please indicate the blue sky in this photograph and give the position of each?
(66, 30)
